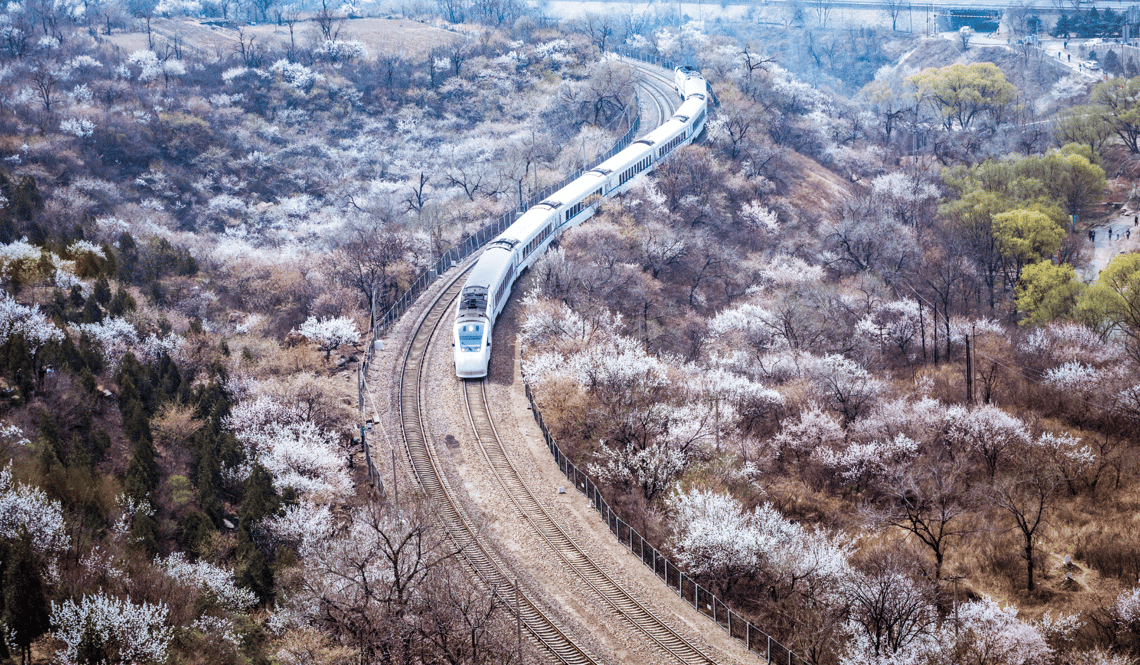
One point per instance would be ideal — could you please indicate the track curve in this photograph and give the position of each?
(546, 632)
(559, 541)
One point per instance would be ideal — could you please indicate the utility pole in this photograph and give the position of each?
(969, 373)
(955, 579)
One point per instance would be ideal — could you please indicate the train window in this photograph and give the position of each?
(470, 336)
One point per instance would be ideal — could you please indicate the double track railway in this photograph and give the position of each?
(560, 542)
(546, 632)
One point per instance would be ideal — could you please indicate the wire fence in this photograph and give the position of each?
(754, 639)
(484, 235)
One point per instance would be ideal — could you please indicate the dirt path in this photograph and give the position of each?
(1119, 235)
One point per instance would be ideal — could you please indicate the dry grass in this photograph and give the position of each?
(814, 187)
(382, 36)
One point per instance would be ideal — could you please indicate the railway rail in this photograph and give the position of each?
(545, 631)
(564, 547)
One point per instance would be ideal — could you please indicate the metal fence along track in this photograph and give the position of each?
(744, 631)
(486, 234)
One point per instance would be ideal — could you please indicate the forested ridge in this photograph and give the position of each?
(760, 351)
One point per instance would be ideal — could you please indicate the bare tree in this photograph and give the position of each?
(45, 79)
(368, 258)
(930, 501)
(822, 10)
(888, 604)
(892, 8)
(599, 28)
(1026, 495)
(754, 61)
(384, 580)
(290, 14)
(604, 96)
(328, 22)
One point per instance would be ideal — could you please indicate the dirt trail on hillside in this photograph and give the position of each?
(1119, 235)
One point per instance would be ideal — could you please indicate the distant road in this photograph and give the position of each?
(934, 8)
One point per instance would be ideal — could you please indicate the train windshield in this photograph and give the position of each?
(470, 336)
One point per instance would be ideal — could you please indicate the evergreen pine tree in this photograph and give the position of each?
(122, 303)
(50, 438)
(91, 650)
(194, 534)
(102, 290)
(91, 312)
(258, 501)
(100, 443)
(256, 575)
(17, 364)
(144, 533)
(25, 603)
(142, 472)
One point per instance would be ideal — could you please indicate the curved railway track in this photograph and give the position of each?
(660, 92)
(560, 542)
(545, 631)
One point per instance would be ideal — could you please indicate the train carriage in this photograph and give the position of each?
(506, 257)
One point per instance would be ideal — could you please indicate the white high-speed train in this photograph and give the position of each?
(507, 256)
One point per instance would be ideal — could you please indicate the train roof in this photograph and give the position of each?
(528, 223)
(488, 270)
(666, 131)
(580, 187)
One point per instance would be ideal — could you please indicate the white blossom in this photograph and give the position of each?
(986, 430)
(864, 462)
(330, 333)
(304, 526)
(895, 324)
(178, 7)
(139, 632)
(81, 246)
(994, 635)
(118, 336)
(15, 253)
(220, 627)
(1074, 375)
(17, 319)
(1126, 608)
(12, 434)
(341, 50)
(814, 430)
(85, 62)
(296, 451)
(79, 127)
(656, 465)
(24, 508)
(296, 74)
(791, 270)
(1066, 342)
(712, 535)
(215, 580)
(760, 217)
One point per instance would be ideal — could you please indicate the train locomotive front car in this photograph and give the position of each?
(479, 304)
(489, 285)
